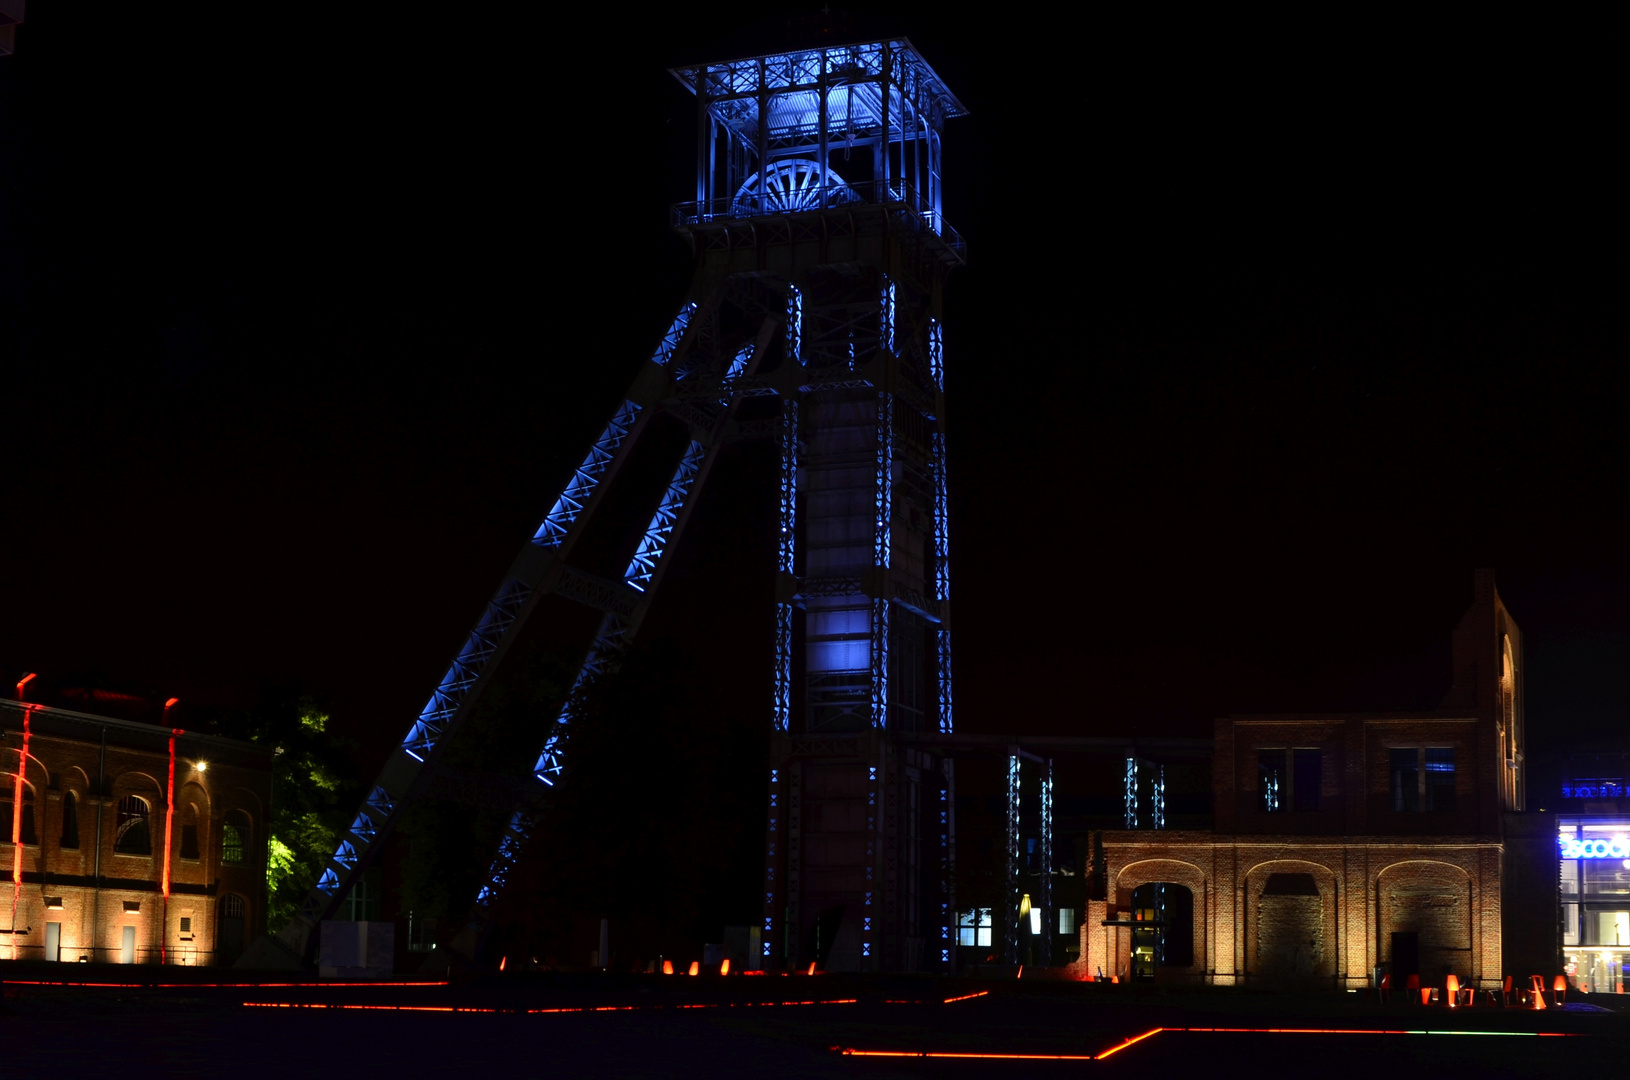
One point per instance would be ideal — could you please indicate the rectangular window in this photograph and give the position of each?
(132, 905)
(1271, 781)
(1404, 765)
(189, 841)
(54, 903)
(1066, 920)
(974, 927)
(1422, 779)
(1440, 779)
(1306, 775)
(186, 924)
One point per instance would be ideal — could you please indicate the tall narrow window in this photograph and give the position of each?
(132, 836)
(1440, 778)
(1271, 781)
(70, 821)
(235, 838)
(189, 835)
(1404, 765)
(1307, 773)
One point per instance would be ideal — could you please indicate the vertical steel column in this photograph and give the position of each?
(882, 544)
(822, 95)
(772, 894)
(1045, 953)
(1158, 810)
(883, 98)
(868, 910)
(1012, 898)
(763, 134)
(786, 560)
(1131, 793)
(947, 853)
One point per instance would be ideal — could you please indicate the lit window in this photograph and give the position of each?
(1066, 920)
(973, 927)
(132, 837)
(1289, 780)
(1270, 781)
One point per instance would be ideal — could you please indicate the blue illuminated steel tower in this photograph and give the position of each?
(819, 171)
(813, 320)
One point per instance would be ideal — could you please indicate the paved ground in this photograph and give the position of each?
(679, 1027)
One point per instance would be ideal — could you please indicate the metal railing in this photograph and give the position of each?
(875, 192)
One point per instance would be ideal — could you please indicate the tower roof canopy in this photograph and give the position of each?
(854, 75)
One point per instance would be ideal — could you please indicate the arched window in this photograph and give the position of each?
(235, 838)
(70, 821)
(132, 836)
(6, 816)
(189, 832)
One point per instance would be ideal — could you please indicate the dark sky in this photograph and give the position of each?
(1269, 336)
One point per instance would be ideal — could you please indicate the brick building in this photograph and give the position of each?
(91, 882)
(1340, 843)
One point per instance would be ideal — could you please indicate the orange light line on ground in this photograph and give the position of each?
(950, 1054)
(218, 985)
(1129, 1042)
(965, 997)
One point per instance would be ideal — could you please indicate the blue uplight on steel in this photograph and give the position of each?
(563, 515)
(608, 642)
(787, 446)
(880, 663)
(466, 669)
(329, 881)
(884, 488)
(676, 332)
(943, 649)
(795, 324)
(1157, 809)
(509, 850)
(791, 186)
(1046, 943)
(657, 534)
(1130, 795)
(886, 313)
(1014, 778)
(936, 353)
(942, 519)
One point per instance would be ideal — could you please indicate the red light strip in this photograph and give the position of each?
(169, 822)
(218, 986)
(966, 997)
(530, 1012)
(17, 820)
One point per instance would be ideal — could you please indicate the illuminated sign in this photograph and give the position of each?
(1616, 848)
(1603, 790)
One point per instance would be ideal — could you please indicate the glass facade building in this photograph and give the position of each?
(1595, 900)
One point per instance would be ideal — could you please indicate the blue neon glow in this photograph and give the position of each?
(509, 849)
(329, 881)
(781, 707)
(660, 531)
(1574, 848)
(676, 333)
(1131, 793)
(936, 353)
(1157, 811)
(563, 515)
(1013, 805)
(1603, 790)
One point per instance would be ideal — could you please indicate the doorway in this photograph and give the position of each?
(1406, 956)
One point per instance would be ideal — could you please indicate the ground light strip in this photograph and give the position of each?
(534, 1012)
(1101, 1055)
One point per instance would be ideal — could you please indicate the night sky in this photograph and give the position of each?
(1268, 337)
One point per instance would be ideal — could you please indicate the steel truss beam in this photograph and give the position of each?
(1011, 951)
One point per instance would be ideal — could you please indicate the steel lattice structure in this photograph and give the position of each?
(814, 321)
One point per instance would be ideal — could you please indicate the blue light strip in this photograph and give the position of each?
(563, 515)
(1158, 811)
(1013, 781)
(882, 546)
(657, 534)
(509, 851)
(676, 332)
(795, 325)
(466, 668)
(942, 580)
(936, 353)
(880, 663)
(781, 708)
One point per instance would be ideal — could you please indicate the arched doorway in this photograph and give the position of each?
(1167, 939)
